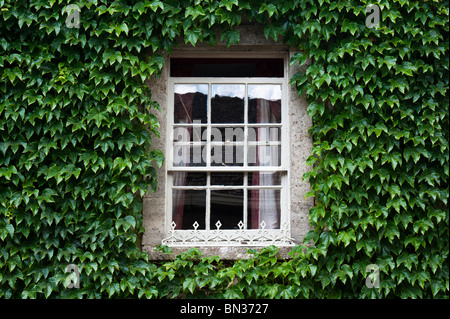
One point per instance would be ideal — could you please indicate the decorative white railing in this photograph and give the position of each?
(229, 237)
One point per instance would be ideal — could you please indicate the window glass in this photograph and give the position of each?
(190, 102)
(264, 155)
(263, 208)
(211, 67)
(227, 206)
(264, 178)
(189, 155)
(189, 208)
(190, 178)
(264, 103)
(227, 179)
(227, 103)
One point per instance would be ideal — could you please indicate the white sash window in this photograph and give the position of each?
(228, 142)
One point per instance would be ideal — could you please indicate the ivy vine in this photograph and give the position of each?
(77, 123)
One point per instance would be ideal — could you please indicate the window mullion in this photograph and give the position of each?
(245, 156)
(208, 128)
(208, 160)
(208, 201)
(246, 125)
(245, 200)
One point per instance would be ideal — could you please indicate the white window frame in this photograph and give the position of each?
(242, 236)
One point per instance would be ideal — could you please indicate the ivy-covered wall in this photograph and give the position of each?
(76, 130)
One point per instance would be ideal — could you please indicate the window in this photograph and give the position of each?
(227, 177)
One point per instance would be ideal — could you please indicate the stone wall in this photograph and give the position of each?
(252, 40)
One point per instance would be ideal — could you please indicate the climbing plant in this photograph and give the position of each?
(379, 101)
(77, 124)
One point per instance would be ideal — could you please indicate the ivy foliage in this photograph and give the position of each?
(76, 127)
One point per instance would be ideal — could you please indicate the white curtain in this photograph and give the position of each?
(264, 204)
(183, 159)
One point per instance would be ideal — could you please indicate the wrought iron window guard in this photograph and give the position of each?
(229, 237)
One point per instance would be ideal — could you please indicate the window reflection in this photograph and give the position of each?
(227, 207)
(228, 179)
(264, 206)
(227, 103)
(188, 207)
(190, 102)
(264, 103)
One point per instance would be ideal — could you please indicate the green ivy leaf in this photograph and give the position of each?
(154, 5)
(189, 284)
(228, 4)
(192, 36)
(269, 8)
(346, 237)
(232, 37)
(233, 293)
(315, 107)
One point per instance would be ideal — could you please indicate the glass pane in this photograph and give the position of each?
(189, 208)
(190, 102)
(189, 179)
(227, 134)
(264, 134)
(264, 103)
(227, 206)
(227, 179)
(263, 209)
(226, 67)
(189, 134)
(227, 155)
(264, 178)
(195, 179)
(227, 103)
(189, 155)
(263, 155)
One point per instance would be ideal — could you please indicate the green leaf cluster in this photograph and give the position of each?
(379, 104)
(76, 130)
(76, 127)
